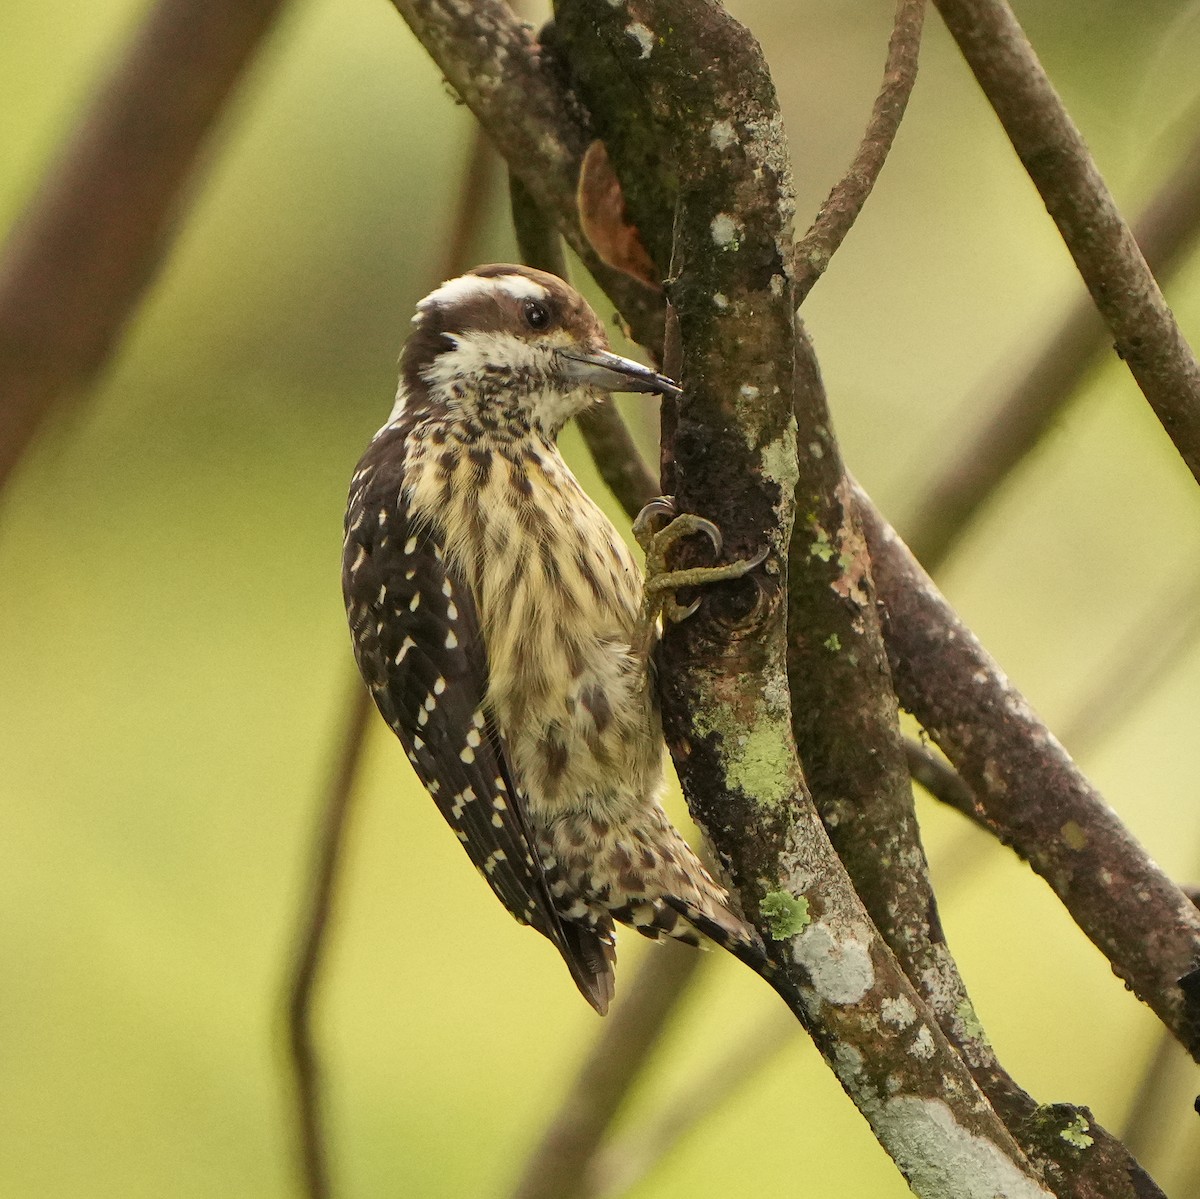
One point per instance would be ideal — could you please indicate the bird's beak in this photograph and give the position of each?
(611, 372)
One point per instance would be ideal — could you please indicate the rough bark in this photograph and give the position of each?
(732, 447)
(731, 742)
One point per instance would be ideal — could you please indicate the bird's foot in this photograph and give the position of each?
(657, 537)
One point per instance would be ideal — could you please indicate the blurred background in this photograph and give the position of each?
(176, 667)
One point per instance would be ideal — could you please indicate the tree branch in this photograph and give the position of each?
(538, 239)
(846, 722)
(845, 716)
(95, 232)
(803, 859)
(840, 210)
(1165, 231)
(1029, 792)
(724, 671)
(1058, 161)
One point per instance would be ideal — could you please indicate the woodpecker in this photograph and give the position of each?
(505, 630)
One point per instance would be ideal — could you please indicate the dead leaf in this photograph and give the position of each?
(605, 222)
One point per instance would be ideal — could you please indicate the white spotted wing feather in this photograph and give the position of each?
(418, 644)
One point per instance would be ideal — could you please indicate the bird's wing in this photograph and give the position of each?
(420, 649)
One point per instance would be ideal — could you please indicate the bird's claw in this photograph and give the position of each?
(656, 539)
(647, 522)
(674, 611)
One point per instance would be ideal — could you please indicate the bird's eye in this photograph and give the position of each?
(537, 315)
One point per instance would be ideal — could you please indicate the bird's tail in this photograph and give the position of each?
(590, 952)
(743, 943)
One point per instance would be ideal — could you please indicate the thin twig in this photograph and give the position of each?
(310, 946)
(841, 208)
(939, 778)
(539, 242)
(1057, 159)
(314, 920)
(96, 231)
(560, 1167)
(1166, 230)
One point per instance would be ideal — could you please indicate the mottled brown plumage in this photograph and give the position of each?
(499, 621)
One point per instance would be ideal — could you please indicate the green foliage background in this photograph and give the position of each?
(175, 663)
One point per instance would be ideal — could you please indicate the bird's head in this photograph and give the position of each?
(507, 343)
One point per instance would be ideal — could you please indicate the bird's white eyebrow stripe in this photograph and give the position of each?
(521, 288)
(466, 287)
